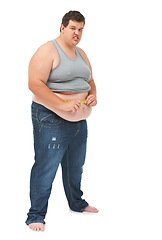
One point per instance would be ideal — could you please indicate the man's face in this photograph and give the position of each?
(73, 32)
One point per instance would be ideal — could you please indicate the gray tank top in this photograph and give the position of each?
(71, 75)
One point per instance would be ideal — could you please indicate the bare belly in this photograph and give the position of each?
(83, 112)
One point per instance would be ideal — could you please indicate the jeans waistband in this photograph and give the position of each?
(37, 105)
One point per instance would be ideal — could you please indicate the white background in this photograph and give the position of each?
(122, 175)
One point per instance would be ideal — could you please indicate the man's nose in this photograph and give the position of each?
(76, 31)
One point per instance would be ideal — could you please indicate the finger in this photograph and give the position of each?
(87, 100)
(92, 103)
(78, 103)
(77, 106)
(90, 100)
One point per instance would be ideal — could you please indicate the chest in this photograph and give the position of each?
(70, 70)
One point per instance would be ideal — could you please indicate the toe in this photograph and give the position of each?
(42, 229)
(91, 209)
(36, 227)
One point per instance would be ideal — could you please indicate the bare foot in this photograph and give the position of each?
(36, 226)
(91, 209)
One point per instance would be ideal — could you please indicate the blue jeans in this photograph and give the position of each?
(56, 141)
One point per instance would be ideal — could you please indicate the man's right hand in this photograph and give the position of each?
(70, 106)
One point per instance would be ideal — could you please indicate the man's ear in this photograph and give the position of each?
(62, 28)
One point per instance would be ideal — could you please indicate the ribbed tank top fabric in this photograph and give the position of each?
(71, 75)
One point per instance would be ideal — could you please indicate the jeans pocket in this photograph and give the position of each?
(48, 118)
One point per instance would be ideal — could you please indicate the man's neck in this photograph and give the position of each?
(64, 43)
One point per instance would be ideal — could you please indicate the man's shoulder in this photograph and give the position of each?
(46, 50)
(48, 46)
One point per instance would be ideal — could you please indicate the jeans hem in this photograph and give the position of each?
(85, 207)
(36, 221)
(79, 210)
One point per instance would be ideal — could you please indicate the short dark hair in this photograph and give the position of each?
(74, 16)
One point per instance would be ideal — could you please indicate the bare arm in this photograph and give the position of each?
(39, 69)
(92, 96)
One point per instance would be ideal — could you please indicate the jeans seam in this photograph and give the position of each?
(45, 117)
(78, 130)
(40, 125)
(47, 125)
(69, 180)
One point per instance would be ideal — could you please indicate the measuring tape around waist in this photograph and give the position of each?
(81, 103)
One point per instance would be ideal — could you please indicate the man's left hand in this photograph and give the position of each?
(91, 100)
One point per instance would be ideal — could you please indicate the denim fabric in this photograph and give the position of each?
(56, 141)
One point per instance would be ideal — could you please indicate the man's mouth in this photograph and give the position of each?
(76, 38)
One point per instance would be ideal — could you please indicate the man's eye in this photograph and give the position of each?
(72, 28)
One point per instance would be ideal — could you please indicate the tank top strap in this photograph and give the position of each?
(62, 54)
(58, 48)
